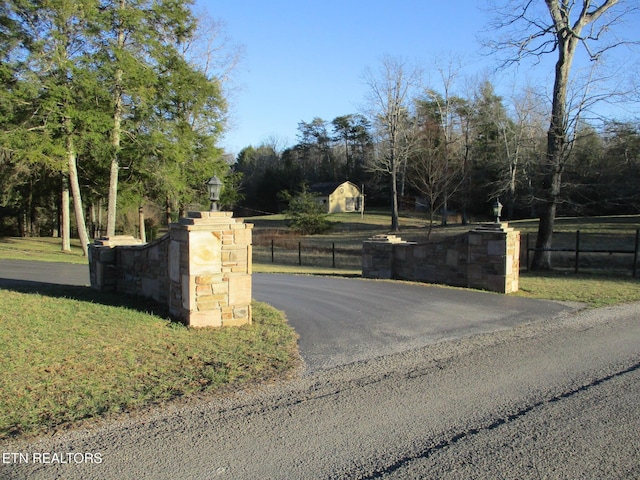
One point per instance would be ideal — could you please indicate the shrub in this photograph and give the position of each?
(304, 214)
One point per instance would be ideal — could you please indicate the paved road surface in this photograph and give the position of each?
(44, 272)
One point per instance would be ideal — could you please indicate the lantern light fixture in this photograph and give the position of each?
(497, 210)
(214, 184)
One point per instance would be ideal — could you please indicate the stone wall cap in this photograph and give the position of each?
(205, 214)
(117, 240)
(205, 221)
(386, 239)
(494, 227)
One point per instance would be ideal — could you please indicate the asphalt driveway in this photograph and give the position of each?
(343, 320)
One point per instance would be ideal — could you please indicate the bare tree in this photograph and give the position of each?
(448, 107)
(566, 25)
(391, 90)
(519, 136)
(430, 168)
(213, 50)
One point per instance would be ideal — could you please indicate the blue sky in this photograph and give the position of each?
(307, 59)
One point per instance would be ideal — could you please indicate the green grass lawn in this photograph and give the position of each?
(595, 290)
(44, 249)
(69, 359)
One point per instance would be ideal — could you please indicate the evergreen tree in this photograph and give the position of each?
(305, 215)
(55, 47)
(136, 36)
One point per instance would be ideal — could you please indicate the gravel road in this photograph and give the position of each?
(556, 398)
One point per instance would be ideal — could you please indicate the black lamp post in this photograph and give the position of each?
(214, 184)
(497, 210)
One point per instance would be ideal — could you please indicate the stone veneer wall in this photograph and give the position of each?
(487, 258)
(201, 269)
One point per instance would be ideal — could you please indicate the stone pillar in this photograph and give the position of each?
(494, 258)
(378, 256)
(210, 270)
(103, 270)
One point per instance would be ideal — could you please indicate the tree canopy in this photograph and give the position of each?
(97, 93)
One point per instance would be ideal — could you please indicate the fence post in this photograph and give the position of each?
(299, 253)
(272, 257)
(528, 263)
(577, 250)
(635, 254)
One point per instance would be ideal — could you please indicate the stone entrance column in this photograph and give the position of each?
(210, 270)
(494, 258)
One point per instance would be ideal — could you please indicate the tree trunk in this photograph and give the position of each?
(115, 137)
(445, 208)
(100, 225)
(92, 216)
(143, 232)
(113, 197)
(115, 167)
(567, 38)
(395, 223)
(167, 211)
(65, 227)
(30, 217)
(77, 205)
(556, 145)
(77, 197)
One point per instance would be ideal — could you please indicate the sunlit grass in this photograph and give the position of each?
(68, 359)
(44, 249)
(594, 290)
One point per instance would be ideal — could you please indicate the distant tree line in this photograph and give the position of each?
(326, 151)
(459, 155)
(110, 103)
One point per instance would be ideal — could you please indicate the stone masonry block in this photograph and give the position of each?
(420, 251)
(452, 258)
(475, 239)
(203, 289)
(497, 247)
(205, 253)
(242, 236)
(236, 321)
(241, 312)
(240, 290)
(174, 261)
(208, 279)
(106, 254)
(151, 288)
(209, 318)
(227, 314)
(188, 292)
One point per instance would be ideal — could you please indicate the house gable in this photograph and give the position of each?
(338, 196)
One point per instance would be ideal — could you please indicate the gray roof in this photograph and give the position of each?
(325, 188)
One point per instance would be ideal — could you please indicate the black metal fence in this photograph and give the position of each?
(580, 252)
(309, 253)
(590, 251)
